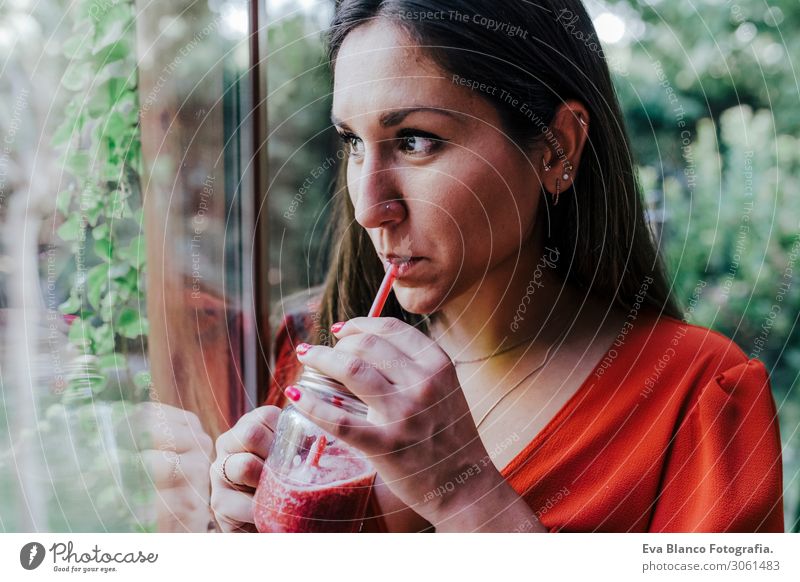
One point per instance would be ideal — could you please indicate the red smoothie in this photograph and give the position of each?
(327, 491)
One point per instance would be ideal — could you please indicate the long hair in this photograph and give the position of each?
(542, 54)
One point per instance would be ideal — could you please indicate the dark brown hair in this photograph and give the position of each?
(599, 222)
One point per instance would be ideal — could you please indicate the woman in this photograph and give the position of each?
(532, 343)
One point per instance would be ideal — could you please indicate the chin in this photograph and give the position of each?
(418, 300)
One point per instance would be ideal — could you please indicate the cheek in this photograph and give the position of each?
(492, 204)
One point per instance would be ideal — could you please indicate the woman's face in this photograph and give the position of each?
(430, 172)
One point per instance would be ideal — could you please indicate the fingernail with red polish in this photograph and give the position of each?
(292, 393)
(302, 349)
(337, 327)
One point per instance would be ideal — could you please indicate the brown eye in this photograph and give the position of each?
(353, 144)
(418, 143)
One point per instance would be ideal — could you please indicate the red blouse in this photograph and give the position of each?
(675, 430)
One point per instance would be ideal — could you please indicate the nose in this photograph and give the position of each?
(379, 201)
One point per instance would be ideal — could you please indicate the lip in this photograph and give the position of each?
(404, 264)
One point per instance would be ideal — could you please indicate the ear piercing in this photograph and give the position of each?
(564, 177)
(567, 170)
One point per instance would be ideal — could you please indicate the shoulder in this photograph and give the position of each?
(718, 415)
(665, 363)
(697, 340)
(694, 351)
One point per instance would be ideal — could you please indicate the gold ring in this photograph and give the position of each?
(225, 474)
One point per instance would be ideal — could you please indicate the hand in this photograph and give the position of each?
(242, 450)
(419, 433)
(176, 454)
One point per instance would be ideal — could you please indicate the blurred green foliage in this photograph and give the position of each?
(300, 151)
(102, 207)
(710, 99)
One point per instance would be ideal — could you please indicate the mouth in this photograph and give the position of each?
(404, 264)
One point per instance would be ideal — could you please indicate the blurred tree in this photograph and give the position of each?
(302, 150)
(710, 98)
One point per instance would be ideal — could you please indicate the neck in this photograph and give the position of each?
(517, 299)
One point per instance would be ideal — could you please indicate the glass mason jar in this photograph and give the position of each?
(311, 481)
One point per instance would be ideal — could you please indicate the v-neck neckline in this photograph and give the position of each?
(580, 394)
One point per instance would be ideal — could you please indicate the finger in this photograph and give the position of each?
(243, 469)
(357, 375)
(355, 430)
(409, 339)
(233, 509)
(163, 467)
(142, 433)
(387, 359)
(167, 469)
(253, 433)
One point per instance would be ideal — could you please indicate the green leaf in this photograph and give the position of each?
(103, 339)
(136, 251)
(99, 103)
(63, 200)
(93, 214)
(96, 281)
(77, 163)
(100, 231)
(71, 305)
(115, 124)
(104, 249)
(106, 309)
(112, 172)
(120, 268)
(70, 230)
(65, 131)
(79, 334)
(130, 324)
(113, 361)
(111, 34)
(76, 47)
(77, 76)
(112, 53)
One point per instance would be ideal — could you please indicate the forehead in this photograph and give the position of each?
(379, 68)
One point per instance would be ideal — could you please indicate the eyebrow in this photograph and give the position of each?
(396, 117)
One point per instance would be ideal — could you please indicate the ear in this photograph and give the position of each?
(563, 146)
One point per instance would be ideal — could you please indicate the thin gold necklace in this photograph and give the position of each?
(496, 352)
(528, 375)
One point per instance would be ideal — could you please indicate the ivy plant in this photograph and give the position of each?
(102, 208)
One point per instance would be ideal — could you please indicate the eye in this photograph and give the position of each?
(353, 144)
(419, 143)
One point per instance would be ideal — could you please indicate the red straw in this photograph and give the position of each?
(383, 292)
(315, 454)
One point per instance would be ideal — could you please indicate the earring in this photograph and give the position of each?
(547, 167)
(565, 177)
(567, 170)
